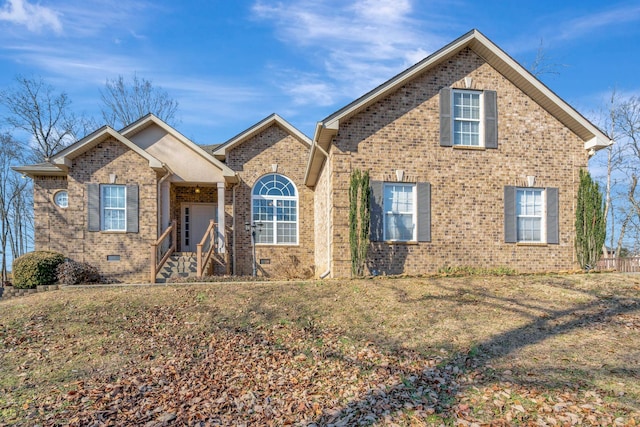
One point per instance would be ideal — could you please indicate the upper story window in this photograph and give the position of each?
(275, 206)
(467, 114)
(468, 118)
(61, 199)
(113, 203)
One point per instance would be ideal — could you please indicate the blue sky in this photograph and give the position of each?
(231, 63)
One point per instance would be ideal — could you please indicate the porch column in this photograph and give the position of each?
(165, 216)
(221, 229)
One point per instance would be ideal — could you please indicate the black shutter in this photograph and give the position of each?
(132, 208)
(553, 232)
(93, 207)
(490, 119)
(510, 226)
(445, 117)
(377, 215)
(424, 211)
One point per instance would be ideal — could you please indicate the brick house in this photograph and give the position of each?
(473, 161)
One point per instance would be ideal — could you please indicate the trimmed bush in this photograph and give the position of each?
(36, 268)
(73, 273)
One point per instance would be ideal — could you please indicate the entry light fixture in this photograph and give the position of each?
(197, 190)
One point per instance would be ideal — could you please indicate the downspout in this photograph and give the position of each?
(167, 175)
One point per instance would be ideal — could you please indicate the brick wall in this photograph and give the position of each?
(252, 159)
(402, 132)
(323, 228)
(65, 230)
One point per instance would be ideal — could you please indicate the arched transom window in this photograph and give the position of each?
(275, 206)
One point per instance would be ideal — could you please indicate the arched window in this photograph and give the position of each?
(275, 205)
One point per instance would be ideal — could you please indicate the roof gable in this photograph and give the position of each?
(593, 137)
(222, 151)
(64, 158)
(150, 120)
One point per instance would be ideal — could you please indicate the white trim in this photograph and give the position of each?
(481, 142)
(102, 187)
(274, 221)
(542, 216)
(414, 214)
(221, 220)
(58, 193)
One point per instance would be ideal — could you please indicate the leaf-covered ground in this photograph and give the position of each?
(523, 350)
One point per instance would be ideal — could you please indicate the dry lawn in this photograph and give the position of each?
(520, 350)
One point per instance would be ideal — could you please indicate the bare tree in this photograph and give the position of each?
(15, 215)
(125, 102)
(42, 114)
(543, 64)
(622, 197)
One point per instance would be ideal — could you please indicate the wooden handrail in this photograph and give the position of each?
(154, 265)
(200, 259)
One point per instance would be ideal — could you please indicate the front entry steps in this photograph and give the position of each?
(179, 265)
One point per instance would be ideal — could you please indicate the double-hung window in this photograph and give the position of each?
(399, 206)
(275, 210)
(112, 207)
(400, 212)
(113, 202)
(530, 215)
(468, 118)
(467, 114)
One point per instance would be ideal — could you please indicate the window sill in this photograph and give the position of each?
(277, 245)
(113, 232)
(469, 147)
(531, 244)
(400, 242)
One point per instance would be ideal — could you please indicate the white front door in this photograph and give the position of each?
(195, 220)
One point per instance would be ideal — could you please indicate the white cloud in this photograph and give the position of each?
(34, 16)
(590, 23)
(357, 45)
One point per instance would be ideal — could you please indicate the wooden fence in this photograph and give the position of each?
(623, 265)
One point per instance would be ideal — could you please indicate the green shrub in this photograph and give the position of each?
(73, 273)
(36, 268)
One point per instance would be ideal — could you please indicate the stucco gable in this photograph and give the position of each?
(165, 142)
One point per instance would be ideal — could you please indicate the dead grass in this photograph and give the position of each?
(576, 334)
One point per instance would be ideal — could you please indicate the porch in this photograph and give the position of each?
(193, 239)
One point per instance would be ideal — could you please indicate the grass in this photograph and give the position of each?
(499, 344)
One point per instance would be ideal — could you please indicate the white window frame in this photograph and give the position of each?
(479, 120)
(104, 208)
(56, 199)
(388, 211)
(274, 200)
(542, 215)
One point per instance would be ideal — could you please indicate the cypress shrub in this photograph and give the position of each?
(590, 222)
